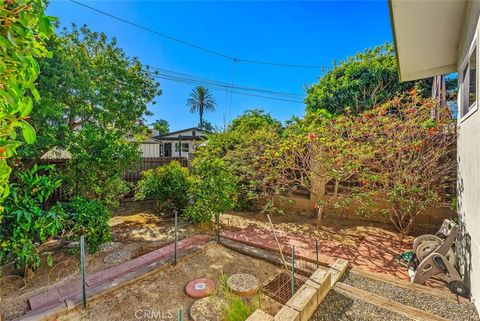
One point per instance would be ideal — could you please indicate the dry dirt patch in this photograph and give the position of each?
(163, 293)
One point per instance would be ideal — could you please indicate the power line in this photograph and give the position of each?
(221, 87)
(169, 74)
(189, 44)
(212, 52)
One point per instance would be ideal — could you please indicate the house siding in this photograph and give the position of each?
(150, 149)
(469, 171)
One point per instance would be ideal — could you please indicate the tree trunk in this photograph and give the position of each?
(200, 111)
(320, 215)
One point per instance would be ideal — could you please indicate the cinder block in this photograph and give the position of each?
(337, 270)
(340, 265)
(319, 275)
(304, 301)
(322, 286)
(287, 313)
(259, 315)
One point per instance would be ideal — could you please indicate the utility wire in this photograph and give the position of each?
(221, 87)
(168, 74)
(189, 44)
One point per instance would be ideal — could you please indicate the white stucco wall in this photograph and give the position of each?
(469, 169)
(150, 149)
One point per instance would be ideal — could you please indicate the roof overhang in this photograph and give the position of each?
(426, 35)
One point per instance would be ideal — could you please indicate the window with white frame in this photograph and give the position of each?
(185, 147)
(468, 84)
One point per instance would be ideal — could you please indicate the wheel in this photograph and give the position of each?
(459, 288)
(426, 247)
(426, 237)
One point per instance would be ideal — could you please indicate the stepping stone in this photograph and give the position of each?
(208, 309)
(200, 288)
(109, 247)
(243, 284)
(119, 256)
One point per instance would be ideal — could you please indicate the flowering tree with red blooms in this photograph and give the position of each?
(413, 158)
(320, 149)
(397, 159)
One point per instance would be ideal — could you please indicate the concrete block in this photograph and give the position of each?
(259, 315)
(319, 275)
(287, 313)
(322, 286)
(340, 265)
(338, 269)
(304, 301)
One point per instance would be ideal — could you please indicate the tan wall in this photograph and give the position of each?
(469, 170)
(434, 216)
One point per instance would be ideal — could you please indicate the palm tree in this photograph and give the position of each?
(201, 100)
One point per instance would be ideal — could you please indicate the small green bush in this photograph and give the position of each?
(89, 218)
(214, 190)
(169, 185)
(27, 221)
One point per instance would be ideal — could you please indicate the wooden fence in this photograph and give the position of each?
(132, 176)
(151, 162)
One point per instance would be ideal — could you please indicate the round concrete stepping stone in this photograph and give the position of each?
(200, 288)
(119, 256)
(243, 284)
(109, 247)
(208, 309)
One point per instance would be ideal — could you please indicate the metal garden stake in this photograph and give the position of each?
(175, 233)
(293, 269)
(82, 267)
(180, 314)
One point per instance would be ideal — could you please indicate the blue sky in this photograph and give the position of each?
(307, 33)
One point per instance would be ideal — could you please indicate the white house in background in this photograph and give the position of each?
(180, 143)
(440, 37)
(149, 148)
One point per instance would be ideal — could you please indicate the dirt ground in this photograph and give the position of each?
(163, 294)
(138, 229)
(344, 231)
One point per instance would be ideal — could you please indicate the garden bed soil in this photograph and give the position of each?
(164, 292)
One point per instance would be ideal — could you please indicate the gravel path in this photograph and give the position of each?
(442, 307)
(338, 307)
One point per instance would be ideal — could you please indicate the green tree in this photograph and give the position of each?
(24, 28)
(93, 102)
(213, 190)
(253, 120)
(162, 126)
(360, 83)
(201, 100)
(248, 148)
(207, 126)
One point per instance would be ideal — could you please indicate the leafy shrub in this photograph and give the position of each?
(99, 159)
(27, 222)
(88, 218)
(214, 190)
(169, 185)
(248, 147)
